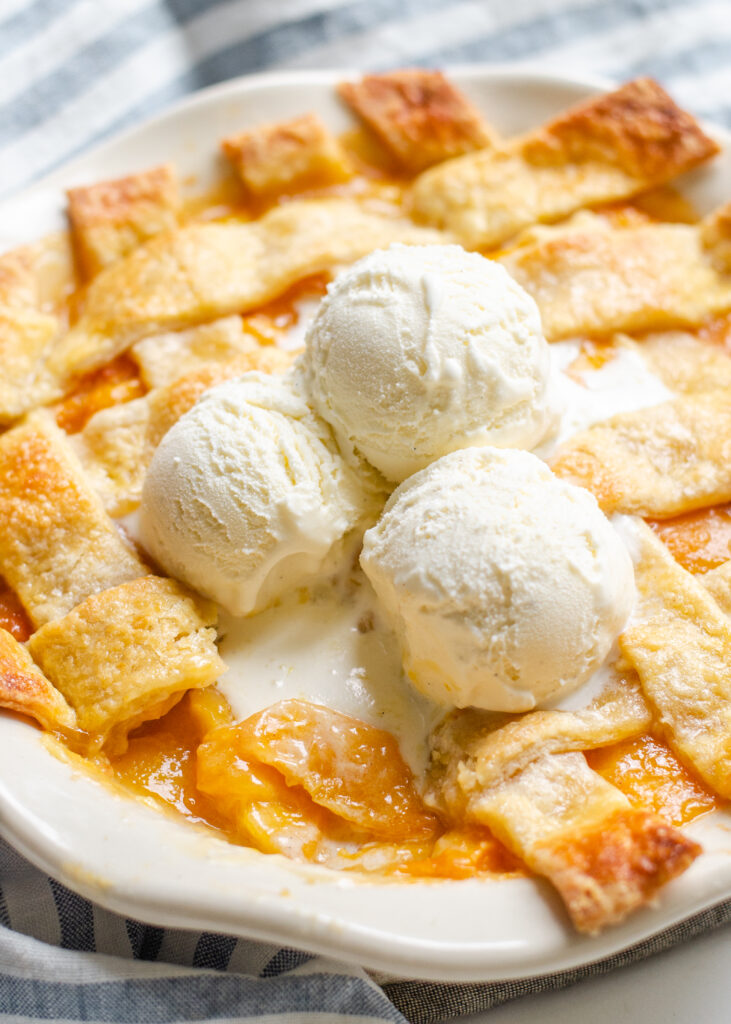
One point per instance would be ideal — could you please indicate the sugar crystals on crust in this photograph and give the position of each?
(111, 218)
(591, 278)
(57, 544)
(680, 645)
(660, 461)
(528, 781)
(419, 116)
(286, 155)
(605, 149)
(25, 689)
(128, 654)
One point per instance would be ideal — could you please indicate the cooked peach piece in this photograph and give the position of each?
(258, 805)
(346, 765)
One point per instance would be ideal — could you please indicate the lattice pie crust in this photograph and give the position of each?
(113, 645)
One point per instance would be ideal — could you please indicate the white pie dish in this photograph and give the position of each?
(144, 864)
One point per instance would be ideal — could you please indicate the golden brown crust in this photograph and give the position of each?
(286, 155)
(527, 780)
(111, 218)
(680, 645)
(605, 872)
(26, 338)
(716, 238)
(18, 285)
(475, 750)
(659, 462)
(40, 275)
(595, 279)
(210, 270)
(718, 584)
(638, 126)
(419, 116)
(35, 280)
(684, 362)
(115, 452)
(24, 688)
(57, 544)
(165, 358)
(120, 656)
(557, 814)
(607, 149)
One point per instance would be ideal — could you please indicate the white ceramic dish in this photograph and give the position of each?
(137, 861)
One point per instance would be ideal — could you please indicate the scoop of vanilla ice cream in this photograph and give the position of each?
(417, 351)
(504, 583)
(247, 495)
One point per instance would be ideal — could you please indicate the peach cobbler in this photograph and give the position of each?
(472, 537)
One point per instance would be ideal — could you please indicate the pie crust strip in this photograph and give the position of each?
(473, 750)
(286, 155)
(591, 278)
(35, 279)
(39, 275)
(606, 149)
(527, 780)
(210, 270)
(568, 824)
(418, 115)
(57, 543)
(681, 649)
(24, 688)
(685, 363)
(718, 584)
(165, 358)
(656, 462)
(26, 339)
(109, 219)
(128, 654)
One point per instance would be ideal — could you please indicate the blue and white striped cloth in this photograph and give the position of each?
(71, 72)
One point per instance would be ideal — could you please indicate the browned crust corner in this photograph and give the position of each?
(605, 872)
(111, 201)
(418, 115)
(283, 155)
(24, 688)
(111, 218)
(639, 126)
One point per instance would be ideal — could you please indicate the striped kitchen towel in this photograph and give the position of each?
(73, 71)
(76, 961)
